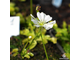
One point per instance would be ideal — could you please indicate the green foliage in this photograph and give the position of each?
(64, 24)
(24, 32)
(33, 37)
(26, 54)
(63, 35)
(13, 9)
(15, 52)
(66, 47)
(54, 40)
(29, 31)
(34, 43)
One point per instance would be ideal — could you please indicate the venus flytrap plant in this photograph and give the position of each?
(36, 33)
(43, 21)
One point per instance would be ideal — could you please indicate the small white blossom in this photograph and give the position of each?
(43, 20)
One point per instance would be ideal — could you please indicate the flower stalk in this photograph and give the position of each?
(44, 47)
(42, 21)
(31, 7)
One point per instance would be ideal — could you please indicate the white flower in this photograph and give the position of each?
(43, 20)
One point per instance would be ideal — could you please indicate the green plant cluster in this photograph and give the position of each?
(13, 9)
(29, 30)
(63, 36)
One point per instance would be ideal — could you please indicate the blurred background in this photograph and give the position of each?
(58, 9)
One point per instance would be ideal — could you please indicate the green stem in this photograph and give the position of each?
(44, 48)
(25, 45)
(31, 11)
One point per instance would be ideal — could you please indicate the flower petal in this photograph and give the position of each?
(34, 21)
(42, 16)
(38, 15)
(47, 18)
(37, 25)
(32, 16)
(49, 25)
(52, 22)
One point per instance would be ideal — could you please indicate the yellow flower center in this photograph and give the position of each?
(41, 23)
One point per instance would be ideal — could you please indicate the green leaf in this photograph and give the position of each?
(58, 34)
(64, 24)
(24, 51)
(12, 4)
(66, 48)
(15, 54)
(64, 38)
(54, 40)
(33, 45)
(31, 54)
(43, 31)
(58, 30)
(39, 39)
(15, 50)
(24, 32)
(25, 40)
(65, 32)
(27, 56)
(55, 26)
(16, 9)
(45, 38)
(45, 41)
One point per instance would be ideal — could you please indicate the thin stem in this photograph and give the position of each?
(31, 11)
(25, 45)
(44, 48)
